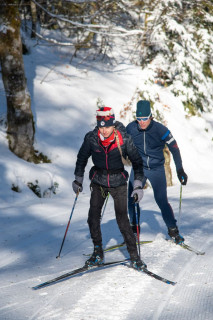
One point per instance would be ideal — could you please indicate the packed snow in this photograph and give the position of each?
(64, 101)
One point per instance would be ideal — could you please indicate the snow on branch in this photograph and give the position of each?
(90, 27)
(51, 40)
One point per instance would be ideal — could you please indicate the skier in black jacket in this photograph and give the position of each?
(108, 175)
(150, 138)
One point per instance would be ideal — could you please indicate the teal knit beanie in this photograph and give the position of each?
(143, 108)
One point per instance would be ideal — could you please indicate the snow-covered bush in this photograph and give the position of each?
(179, 50)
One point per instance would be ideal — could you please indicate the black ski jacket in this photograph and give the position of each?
(108, 169)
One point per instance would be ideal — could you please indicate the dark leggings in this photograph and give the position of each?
(119, 195)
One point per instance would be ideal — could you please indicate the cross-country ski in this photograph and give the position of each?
(86, 269)
(119, 246)
(77, 271)
(187, 247)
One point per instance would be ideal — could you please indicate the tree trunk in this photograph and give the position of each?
(34, 18)
(20, 131)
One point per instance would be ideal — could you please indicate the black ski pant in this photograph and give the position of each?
(119, 195)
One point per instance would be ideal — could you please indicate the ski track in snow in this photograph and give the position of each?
(109, 288)
(195, 286)
(99, 290)
(117, 292)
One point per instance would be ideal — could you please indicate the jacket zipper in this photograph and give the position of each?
(107, 168)
(147, 162)
(105, 151)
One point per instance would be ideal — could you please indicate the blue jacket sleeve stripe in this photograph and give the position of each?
(165, 135)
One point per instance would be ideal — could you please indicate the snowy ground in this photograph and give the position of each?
(31, 238)
(32, 229)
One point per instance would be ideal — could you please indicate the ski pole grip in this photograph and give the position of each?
(135, 197)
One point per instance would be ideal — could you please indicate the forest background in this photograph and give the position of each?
(60, 60)
(172, 40)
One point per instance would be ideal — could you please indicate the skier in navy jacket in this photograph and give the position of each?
(150, 138)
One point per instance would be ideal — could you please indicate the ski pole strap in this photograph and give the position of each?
(135, 197)
(78, 183)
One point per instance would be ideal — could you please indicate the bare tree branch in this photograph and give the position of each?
(90, 27)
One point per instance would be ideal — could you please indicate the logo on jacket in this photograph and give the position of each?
(97, 150)
(175, 146)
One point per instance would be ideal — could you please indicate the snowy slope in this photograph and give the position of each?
(64, 103)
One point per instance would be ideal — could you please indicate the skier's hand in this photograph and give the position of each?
(182, 176)
(137, 193)
(77, 184)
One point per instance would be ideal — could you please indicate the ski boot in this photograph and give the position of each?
(97, 257)
(174, 234)
(138, 264)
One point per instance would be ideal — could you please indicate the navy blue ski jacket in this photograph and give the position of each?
(151, 142)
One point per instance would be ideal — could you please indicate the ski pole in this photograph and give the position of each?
(180, 201)
(137, 208)
(58, 256)
(107, 197)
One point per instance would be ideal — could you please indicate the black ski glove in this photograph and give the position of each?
(182, 176)
(77, 184)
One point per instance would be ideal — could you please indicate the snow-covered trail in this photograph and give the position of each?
(31, 237)
(192, 298)
(32, 229)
